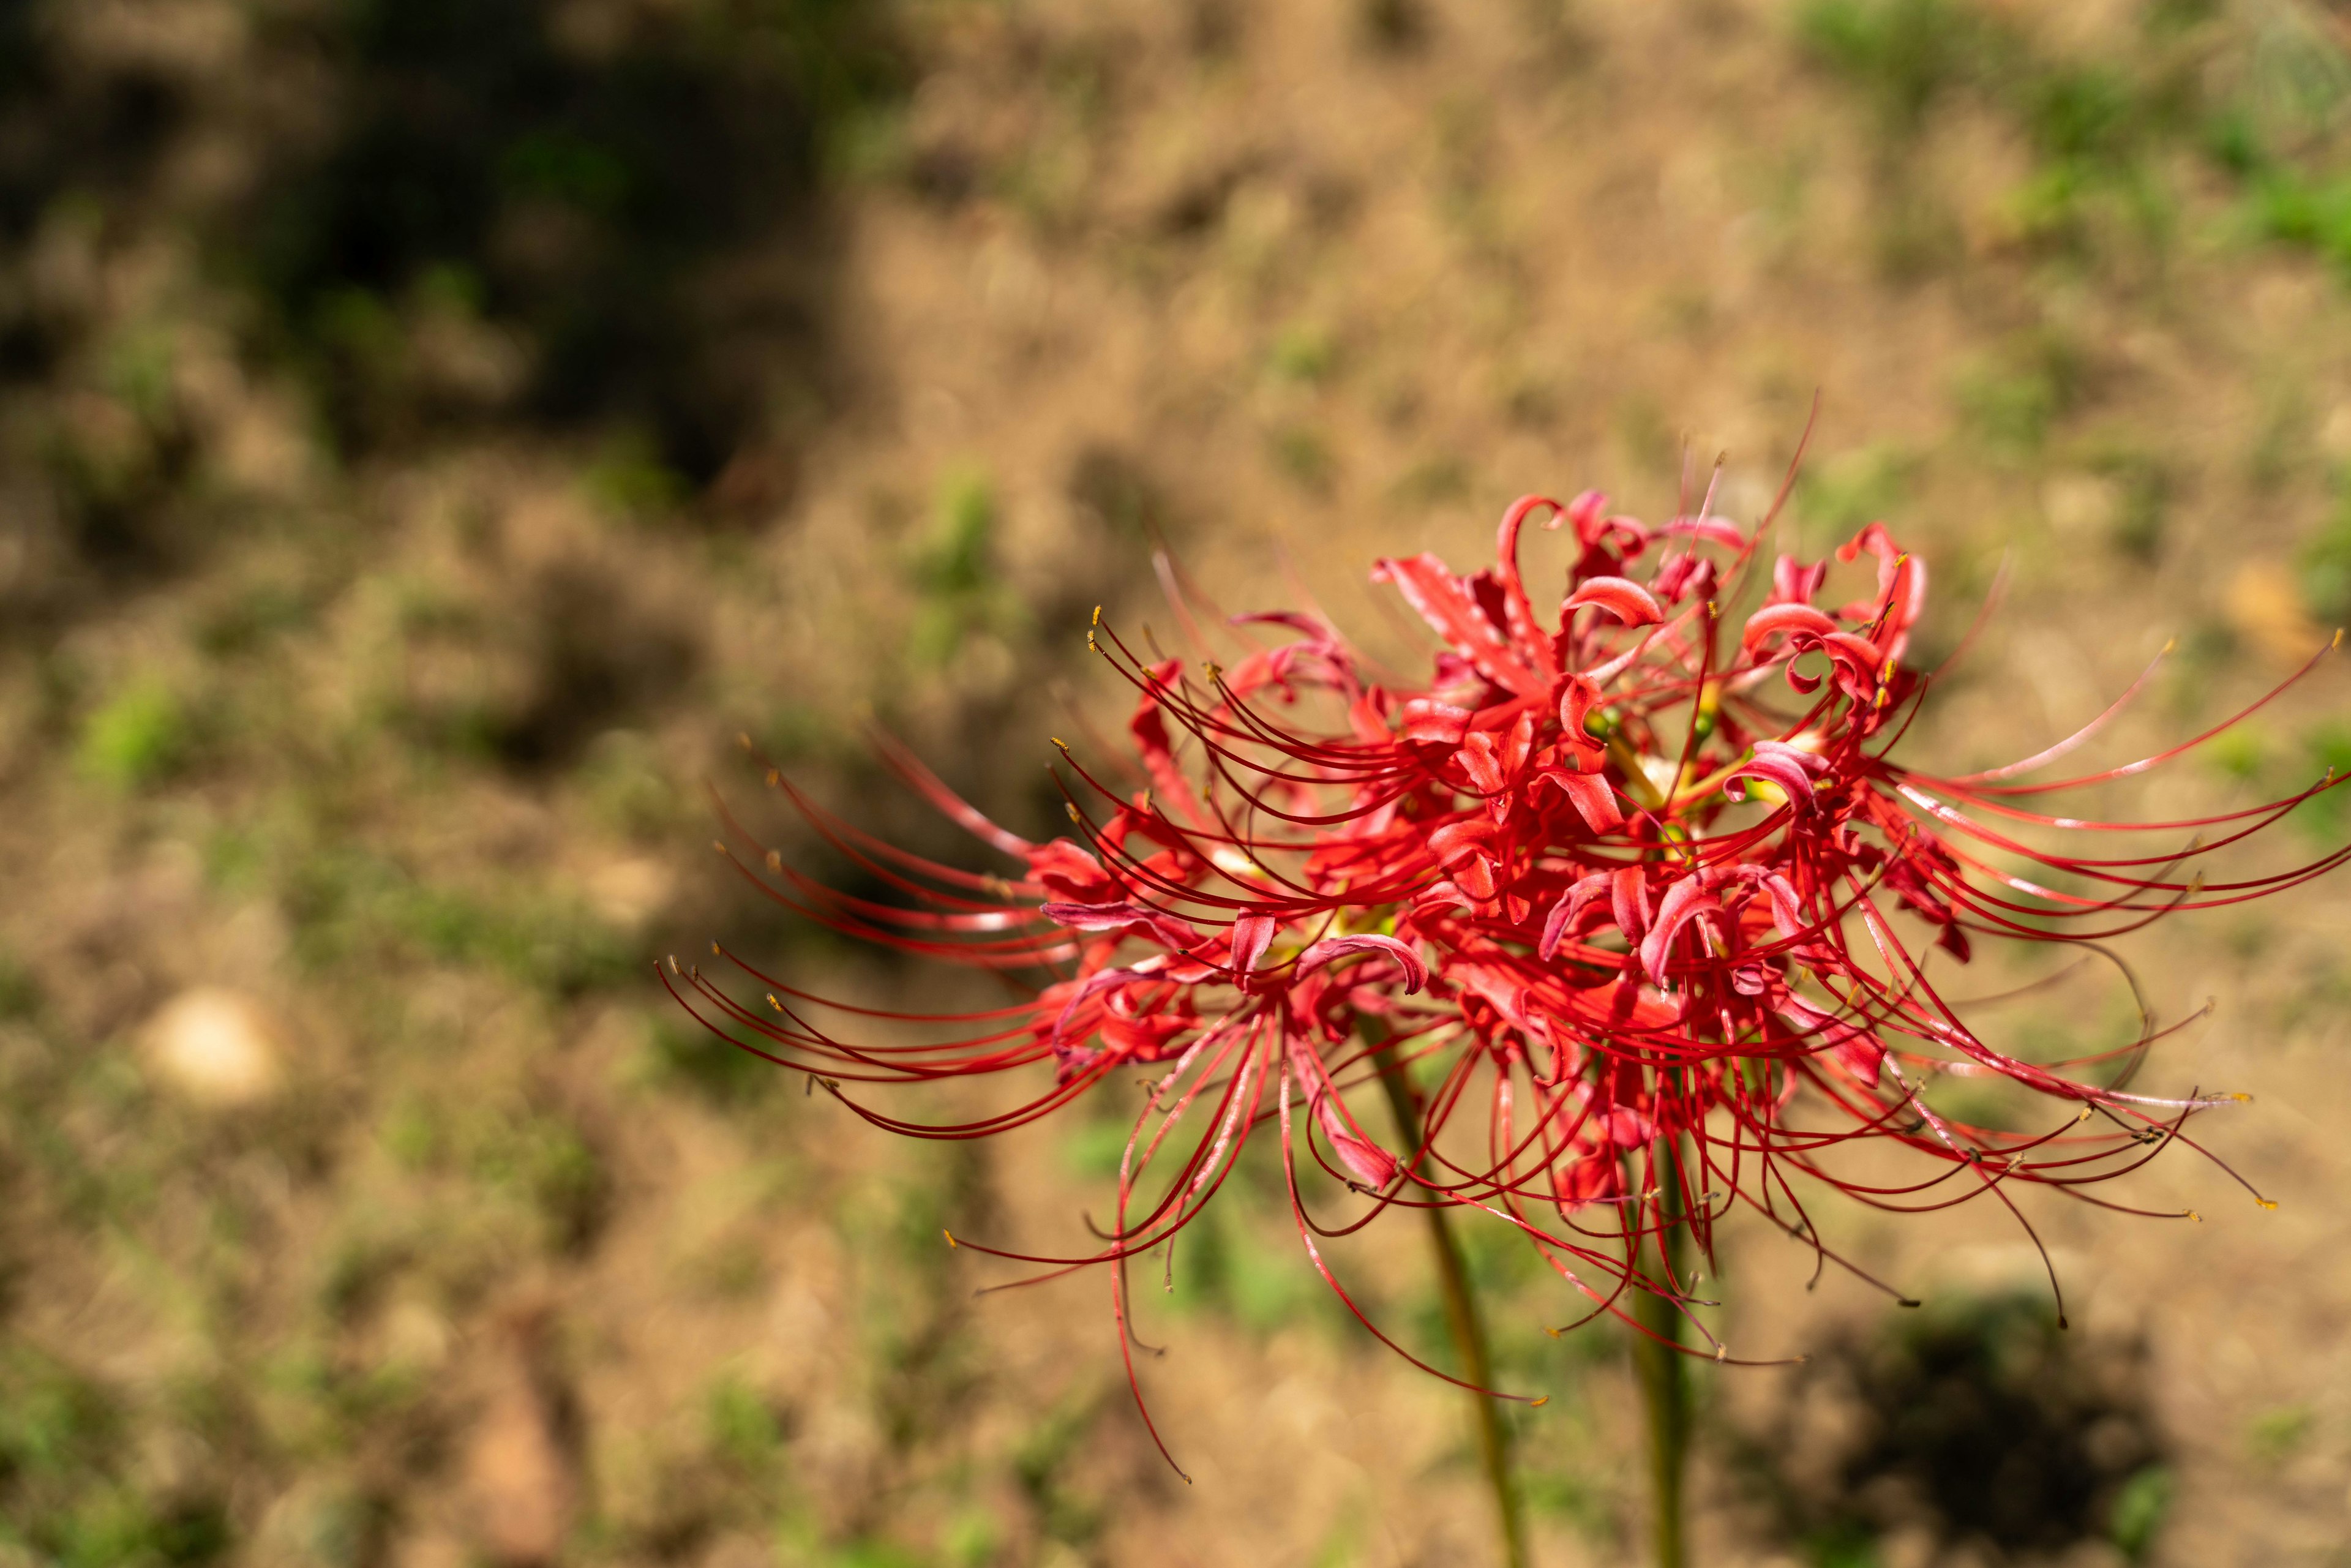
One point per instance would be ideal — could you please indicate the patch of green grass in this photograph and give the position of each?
(20, 991)
(2139, 1510)
(957, 557)
(1432, 481)
(689, 1056)
(2276, 1435)
(871, 1553)
(2325, 560)
(2142, 507)
(2010, 402)
(2104, 129)
(955, 570)
(349, 905)
(136, 367)
(1302, 353)
(51, 1419)
(742, 1427)
(1570, 1495)
(415, 1131)
(136, 738)
(1648, 437)
(2310, 211)
(2241, 752)
(1304, 457)
(66, 1495)
(1093, 1148)
(2326, 816)
(970, 1539)
(253, 617)
(546, 1160)
(629, 478)
(2082, 112)
(1904, 54)
(1041, 1456)
(1846, 1546)
(1839, 496)
(627, 786)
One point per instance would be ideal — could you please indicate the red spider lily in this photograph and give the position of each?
(1598, 886)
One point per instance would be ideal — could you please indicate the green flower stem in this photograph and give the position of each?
(1663, 1373)
(1462, 1318)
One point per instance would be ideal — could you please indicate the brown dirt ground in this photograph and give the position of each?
(505, 1269)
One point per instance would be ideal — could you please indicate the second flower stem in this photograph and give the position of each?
(1658, 1366)
(1467, 1328)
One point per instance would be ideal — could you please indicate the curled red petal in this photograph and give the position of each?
(1570, 905)
(1713, 531)
(1810, 761)
(1452, 611)
(1774, 768)
(1593, 799)
(1685, 902)
(1774, 619)
(1251, 935)
(1425, 719)
(1794, 582)
(1620, 596)
(1330, 948)
(1628, 897)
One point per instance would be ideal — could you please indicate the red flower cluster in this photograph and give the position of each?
(1643, 899)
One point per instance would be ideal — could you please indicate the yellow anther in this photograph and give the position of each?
(949, 1235)
(2196, 1217)
(774, 778)
(1722, 1353)
(1097, 615)
(1060, 744)
(743, 738)
(1539, 1401)
(1073, 813)
(715, 952)
(2243, 1099)
(775, 861)
(719, 847)
(2266, 1202)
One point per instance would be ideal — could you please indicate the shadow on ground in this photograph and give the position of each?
(1976, 1431)
(430, 221)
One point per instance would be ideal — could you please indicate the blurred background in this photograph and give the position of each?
(430, 430)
